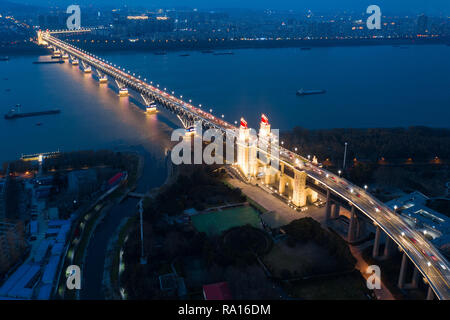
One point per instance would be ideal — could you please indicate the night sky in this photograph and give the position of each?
(388, 6)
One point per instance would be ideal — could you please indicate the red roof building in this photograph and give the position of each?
(217, 291)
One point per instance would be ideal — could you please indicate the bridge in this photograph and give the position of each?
(292, 177)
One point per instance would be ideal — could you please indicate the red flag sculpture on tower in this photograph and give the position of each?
(264, 119)
(243, 123)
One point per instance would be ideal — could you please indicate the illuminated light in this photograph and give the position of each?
(243, 123)
(137, 17)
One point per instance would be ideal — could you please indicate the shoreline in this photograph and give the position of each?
(175, 46)
(254, 44)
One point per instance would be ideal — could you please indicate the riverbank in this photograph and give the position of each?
(113, 262)
(99, 45)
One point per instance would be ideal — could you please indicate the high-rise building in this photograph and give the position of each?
(422, 24)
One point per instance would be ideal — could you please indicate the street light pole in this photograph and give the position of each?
(345, 156)
(143, 260)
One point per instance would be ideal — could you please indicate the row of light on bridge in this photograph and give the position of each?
(134, 74)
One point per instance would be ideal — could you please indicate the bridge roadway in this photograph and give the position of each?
(426, 258)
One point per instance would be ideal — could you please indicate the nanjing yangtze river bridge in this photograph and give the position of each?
(426, 259)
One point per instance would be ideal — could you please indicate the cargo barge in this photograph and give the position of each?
(48, 62)
(303, 92)
(14, 113)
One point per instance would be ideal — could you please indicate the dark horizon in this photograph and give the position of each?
(437, 7)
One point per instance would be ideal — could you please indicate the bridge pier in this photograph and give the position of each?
(401, 277)
(389, 247)
(361, 228)
(282, 184)
(376, 243)
(328, 206)
(299, 189)
(402, 283)
(415, 279)
(85, 67)
(351, 236)
(336, 211)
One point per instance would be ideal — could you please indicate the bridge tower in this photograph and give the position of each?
(40, 37)
(246, 150)
(242, 147)
(299, 188)
(264, 129)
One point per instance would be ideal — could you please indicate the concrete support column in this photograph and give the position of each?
(282, 185)
(376, 243)
(299, 192)
(415, 278)
(361, 231)
(328, 208)
(430, 293)
(401, 277)
(352, 226)
(388, 247)
(336, 210)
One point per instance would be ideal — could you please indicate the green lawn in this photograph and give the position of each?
(213, 223)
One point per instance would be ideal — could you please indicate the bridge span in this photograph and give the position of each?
(427, 259)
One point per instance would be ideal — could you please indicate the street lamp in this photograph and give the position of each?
(141, 210)
(339, 172)
(345, 155)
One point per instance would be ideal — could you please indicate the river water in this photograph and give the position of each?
(380, 86)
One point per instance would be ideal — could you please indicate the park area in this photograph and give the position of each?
(214, 223)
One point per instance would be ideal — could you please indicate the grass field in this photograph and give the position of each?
(213, 223)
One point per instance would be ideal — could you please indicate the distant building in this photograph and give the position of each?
(422, 24)
(12, 244)
(217, 291)
(82, 180)
(414, 211)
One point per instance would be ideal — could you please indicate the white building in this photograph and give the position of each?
(413, 209)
